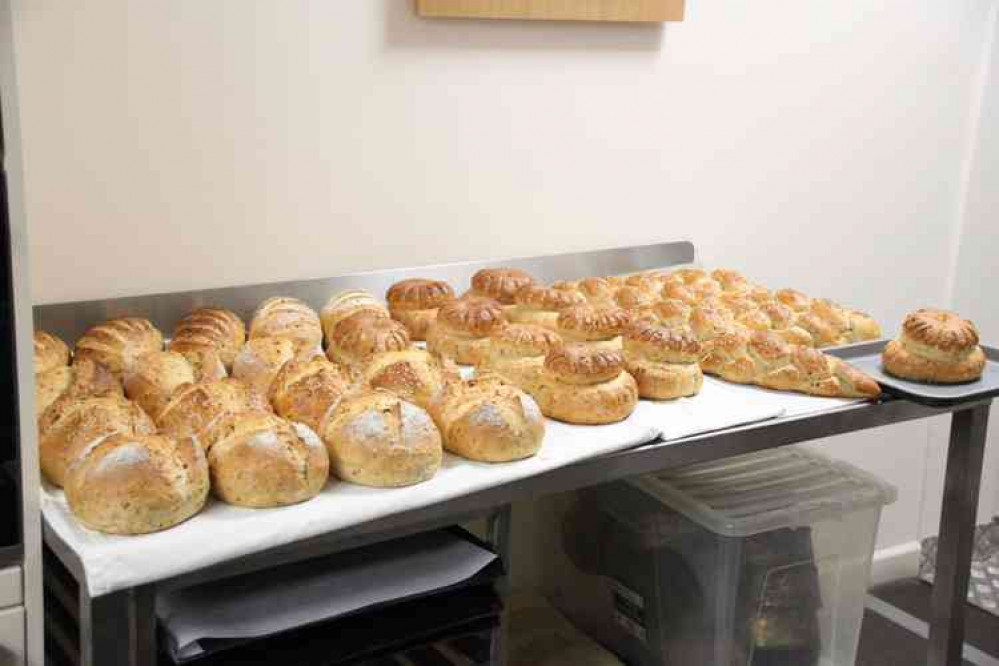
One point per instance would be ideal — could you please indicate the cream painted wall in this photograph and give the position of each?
(184, 144)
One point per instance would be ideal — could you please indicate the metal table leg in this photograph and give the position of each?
(957, 532)
(119, 629)
(499, 535)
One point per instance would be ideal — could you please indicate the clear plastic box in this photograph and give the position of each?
(759, 560)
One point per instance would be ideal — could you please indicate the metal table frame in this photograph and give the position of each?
(120, 628)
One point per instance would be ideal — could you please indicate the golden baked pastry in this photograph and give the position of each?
(84, 379)
(260, 460)
(414, 303)
(585, 385)
(663, 361)
(50, 352)
(731, 281)
(599, 292)
(680, 291)
(306, 390)
(520, 341)
(599, 327)
(117, 344)
(135, 484)
(347, 304)
(708, 323)
(935, 346)
(260, 360)
(488, 420)
(283, 317)
(155, 377)
(357, 339)
(635, 300)
(539, 305)
(863, 326)
(499, 284)
(194, 407)
(671, 313)
(462, 329)
(376, 439)
(793, 299)
(210, 329)
(71, 424)
(414, 375)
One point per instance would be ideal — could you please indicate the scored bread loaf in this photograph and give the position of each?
(50, 352)
(357, 339)
(83, 379)
(306, 390)
(462, 329)
(71, 424)
(260, 360)
(135, 484)
(210, 329)
(489, 420)
(260, 460)
(292, 318)
(935, 346)
(194, 407)
(764, 359)
(118, 343)
(414, 375)
(582, 384)
(499, 284)
(599, 327)
(538, 305)
(154, 378)
(663, 361)
(347, 304)
(414, 303)
(374, 438)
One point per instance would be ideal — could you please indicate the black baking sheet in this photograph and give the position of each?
(866, 356)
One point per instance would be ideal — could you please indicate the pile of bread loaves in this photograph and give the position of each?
(138, 432)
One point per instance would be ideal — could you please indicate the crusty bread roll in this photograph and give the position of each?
(283, 317)
(414, 375)
(260, 360)
(539, 305)
(210, 329)
(153, 379)
(306, 390)
(50, 352)
(260, 460)
(663, 361)
(764, 359)
(347, 304)
(135, 484)
(71, 424)
(582, 384)
(414, 303)
(489, 420)
(935, 346)
(357, 339)
(194, 407)
(461, 331)
(600, 327)
(117, 344)
(83, 379)
(499, 284)
(374, 438)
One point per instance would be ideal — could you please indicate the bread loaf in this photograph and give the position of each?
(357, 339)
(671, 313)
(499, 284)
(793, 299)
(135, 484)
(599, 292)
(260, 460)
(260, 360)
(488, 420)
(70, 424)
(117, 344)
(732, 282)
(601, 327)
(155, 377)
(84, 379)
(347, 304)
(415, 375)
(585, 385)
(663, 361)
(306, 390)
(414, 303)
(376, 439)
(538, 305)
(210, 329)
(194, 407)
(50, 352)
(462, 329)
(935, 346)
(282, 317)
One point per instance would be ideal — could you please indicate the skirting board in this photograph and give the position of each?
(895, 562)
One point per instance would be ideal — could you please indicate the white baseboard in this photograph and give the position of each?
(895, 562)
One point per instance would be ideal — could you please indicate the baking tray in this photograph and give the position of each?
(866, 356)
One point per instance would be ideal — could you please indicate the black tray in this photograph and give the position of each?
(866, 356)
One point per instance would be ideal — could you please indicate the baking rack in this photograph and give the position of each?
(119, 628)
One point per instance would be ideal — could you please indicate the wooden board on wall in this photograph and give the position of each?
(555, 10)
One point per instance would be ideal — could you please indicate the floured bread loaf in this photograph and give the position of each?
(83, 379)
(155, 377)
(283, 317)
(50, 352)
(261, 359)
(306, 390)
(210, 330)
(194, 407)
(414, 375)
(935, 346)
(117, 344)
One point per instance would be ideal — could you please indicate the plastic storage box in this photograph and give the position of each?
(759, 560)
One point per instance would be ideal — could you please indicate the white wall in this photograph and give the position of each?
(184, 144)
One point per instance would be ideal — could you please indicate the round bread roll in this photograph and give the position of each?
(282, 317)
(663, 361)
(935, 346)
(260, 360)
(414, 375)
(357, 339)
(462, 329)
(499, 284)
(210, 329)
(376, 439)
(584, 385)
(347, 304)
(488, 420)
(135, 484)
(306, 390)
(414, 303)
(600, 327)
(117, 344)
(206, 363)
(50, 352)
(260, 460)
(71, 424)
(539, 305)
(194, 407)
(84, 379)
(155, 377)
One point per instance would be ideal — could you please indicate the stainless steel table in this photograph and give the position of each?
(120, 628)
